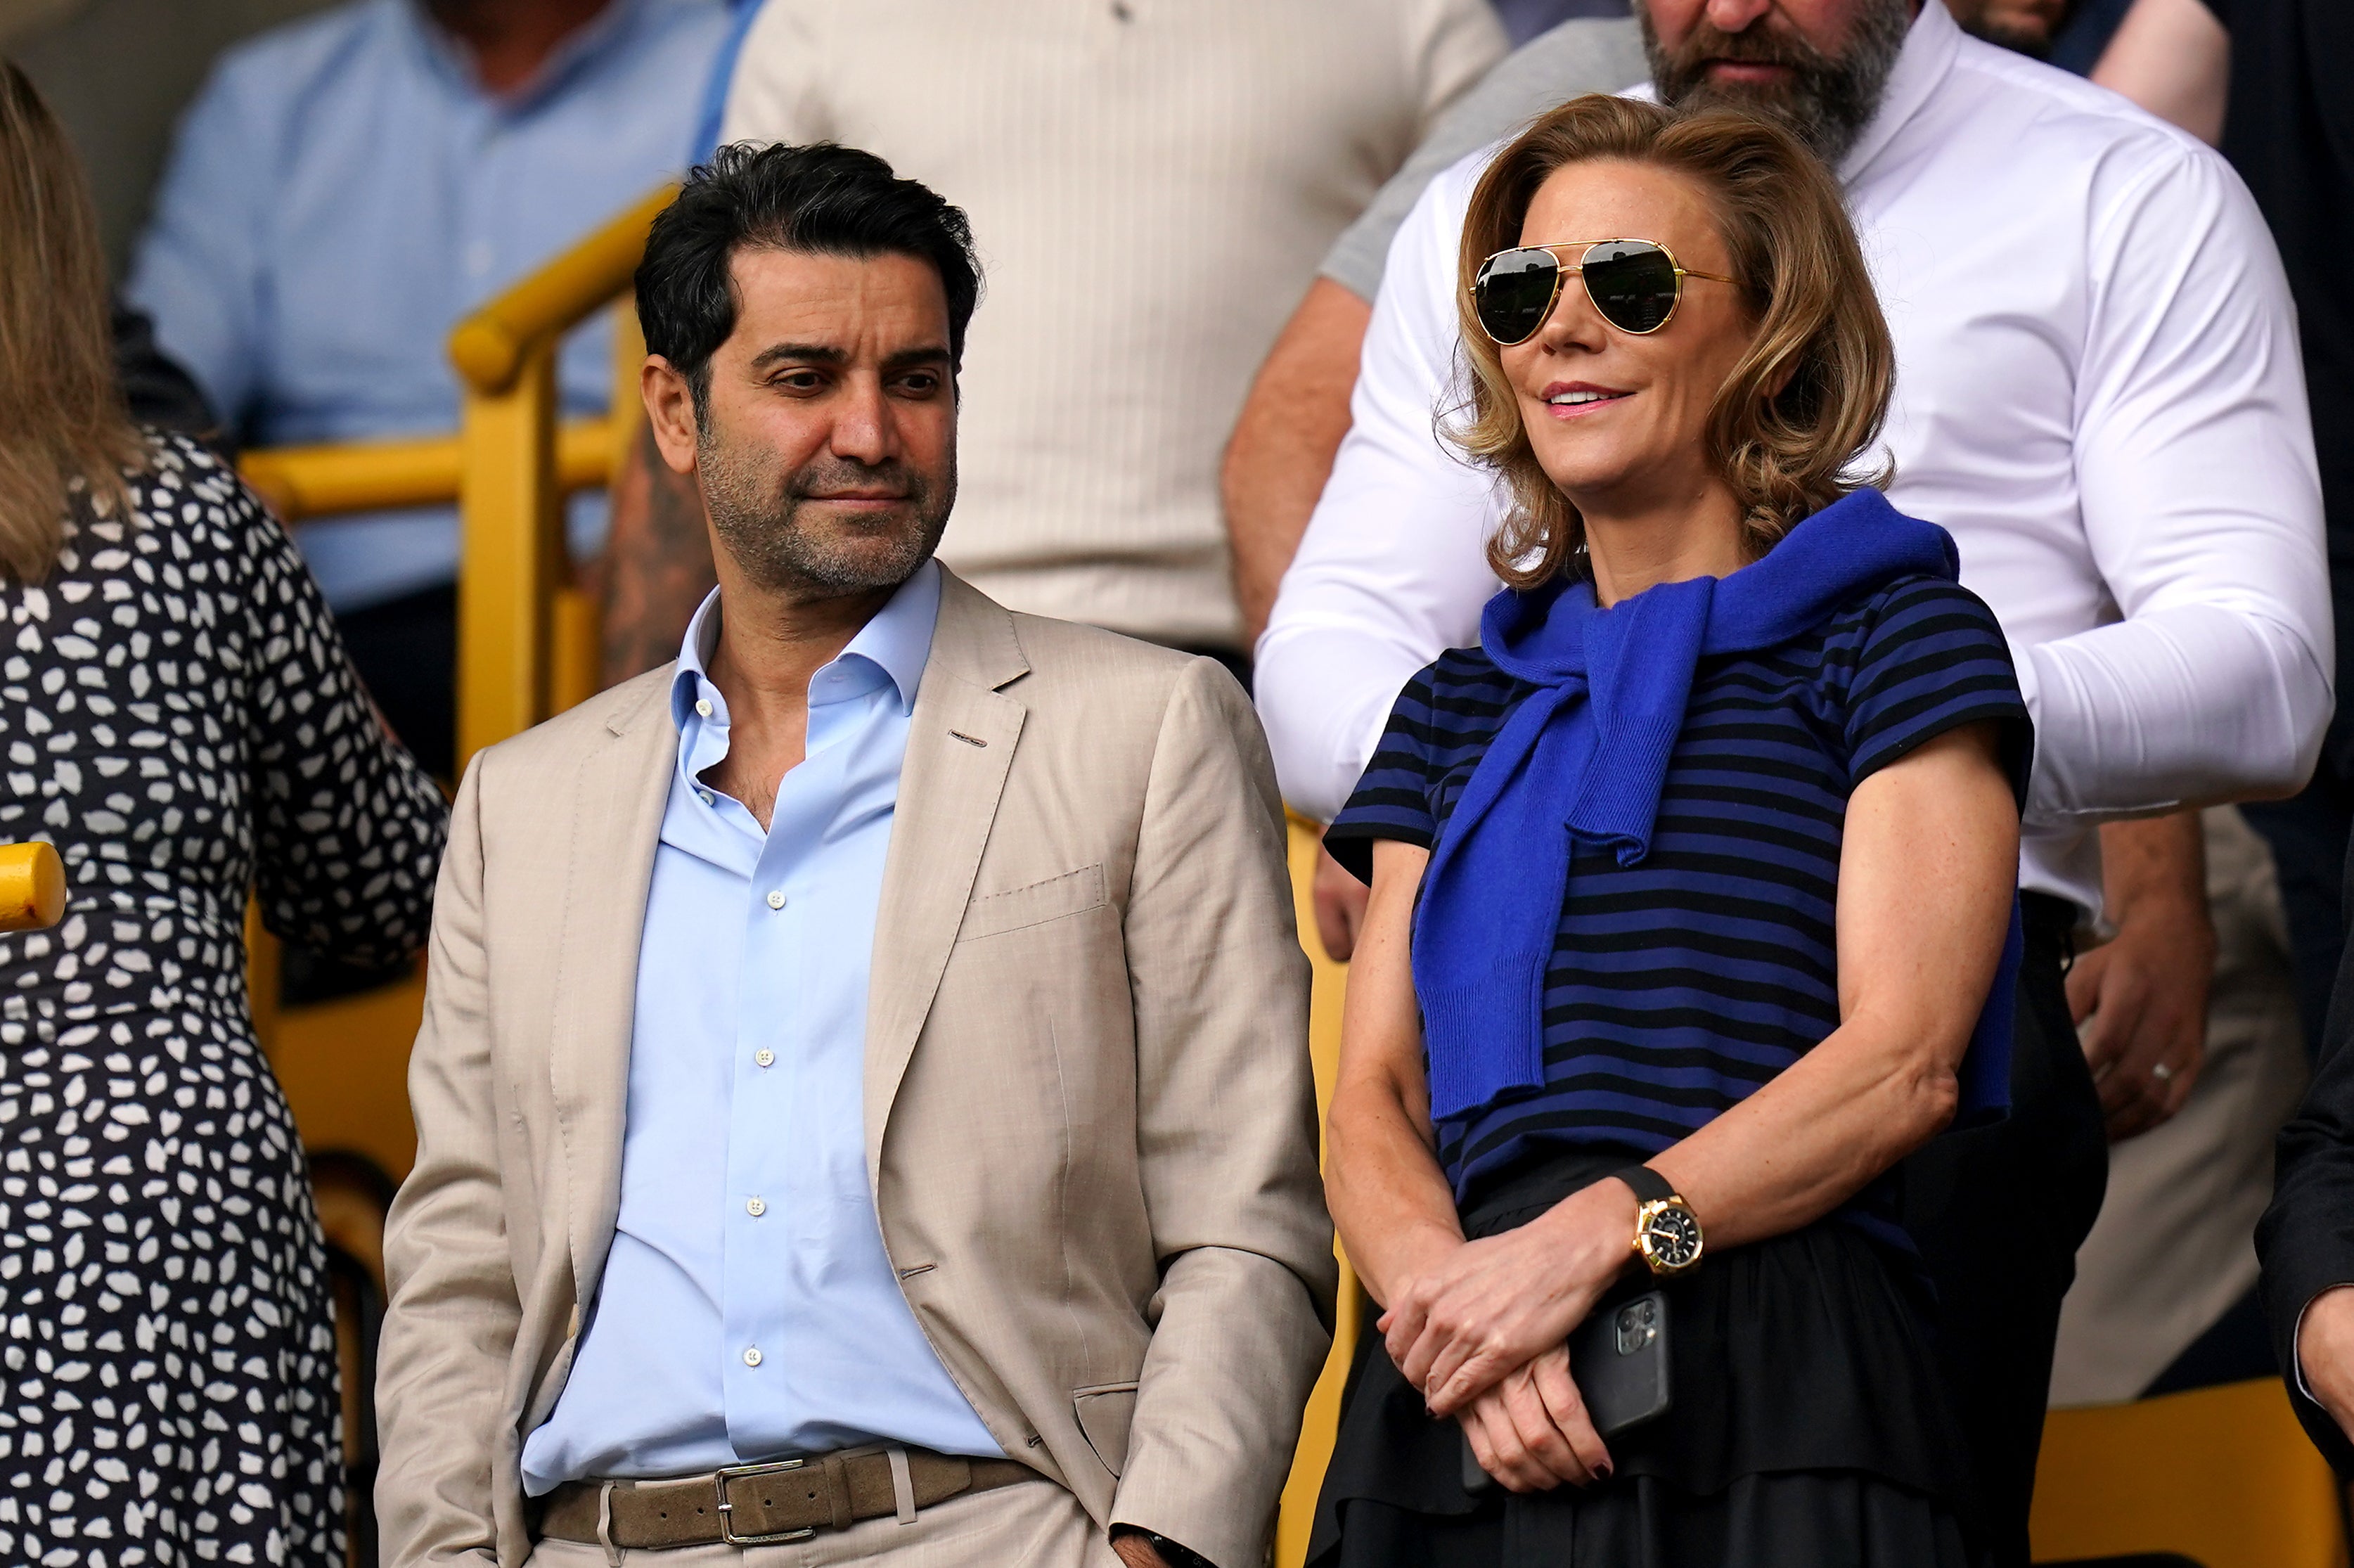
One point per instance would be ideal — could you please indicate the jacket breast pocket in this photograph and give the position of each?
(1106, 1411)
(1073, 893)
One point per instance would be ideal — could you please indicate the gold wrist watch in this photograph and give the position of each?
(1667, 1233)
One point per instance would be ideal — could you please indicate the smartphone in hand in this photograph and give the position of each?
(1618, 1357)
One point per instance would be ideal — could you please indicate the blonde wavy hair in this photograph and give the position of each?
(1806, 401)
(64, 430)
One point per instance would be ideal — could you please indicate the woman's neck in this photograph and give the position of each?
(1662, 539)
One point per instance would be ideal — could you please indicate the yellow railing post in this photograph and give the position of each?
(1320, 1423)
(511, 554)
(525, 634)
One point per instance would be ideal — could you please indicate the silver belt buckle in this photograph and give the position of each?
(727, 1509)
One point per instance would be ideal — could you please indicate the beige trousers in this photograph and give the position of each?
(2173, 1247)
(1036, 1524)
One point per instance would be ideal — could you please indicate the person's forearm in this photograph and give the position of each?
(1809, 1141)
(2195, 704)
(1390, 1201)
(657, 563)
(1928, 871)
(1283, 444)
(2154, 860)
(2174, 58)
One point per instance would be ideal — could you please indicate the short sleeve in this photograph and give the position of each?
(1393, 799)
(1934, 659)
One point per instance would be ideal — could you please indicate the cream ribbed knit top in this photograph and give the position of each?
(1151, 185)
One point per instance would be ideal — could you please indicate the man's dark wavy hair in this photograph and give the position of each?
(822, 198)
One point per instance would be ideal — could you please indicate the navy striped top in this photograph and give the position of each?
(1680, 984)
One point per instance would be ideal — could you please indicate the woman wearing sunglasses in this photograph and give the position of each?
(1691, 887)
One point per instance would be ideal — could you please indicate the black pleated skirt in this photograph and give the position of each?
(1809, 1429)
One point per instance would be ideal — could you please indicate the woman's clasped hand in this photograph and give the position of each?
(1482, 1332)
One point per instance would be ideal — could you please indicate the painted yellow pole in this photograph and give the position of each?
(512, 553)
(1321, 1421)
(526, 634)
(361, 476)
(32, 887)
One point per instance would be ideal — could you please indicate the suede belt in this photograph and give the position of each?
(754, 1505)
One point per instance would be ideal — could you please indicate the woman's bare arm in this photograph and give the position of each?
(1389, 1198)
(1394, 1207)
(1927, 870)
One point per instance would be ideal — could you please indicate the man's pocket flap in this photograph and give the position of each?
(1073, 893)
(1105, 1413)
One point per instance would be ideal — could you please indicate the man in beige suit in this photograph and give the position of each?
(863, 1104)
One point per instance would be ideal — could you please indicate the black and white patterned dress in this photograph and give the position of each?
(177, 717)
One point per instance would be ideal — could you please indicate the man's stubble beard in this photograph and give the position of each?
(760, 523)
(1829, 100)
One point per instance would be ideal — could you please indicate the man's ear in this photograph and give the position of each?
(670, 412)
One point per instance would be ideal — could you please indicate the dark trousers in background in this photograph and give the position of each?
(2308, 833)
(1998, 1212)
(406, 649)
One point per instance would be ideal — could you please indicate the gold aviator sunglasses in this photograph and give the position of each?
(1635, 285)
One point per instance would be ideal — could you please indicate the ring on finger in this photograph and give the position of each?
(2162, 1072)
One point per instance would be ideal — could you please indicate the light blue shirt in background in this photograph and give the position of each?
(343, 192)
(747, 1309)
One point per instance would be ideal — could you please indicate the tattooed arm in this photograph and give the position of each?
(657, 562)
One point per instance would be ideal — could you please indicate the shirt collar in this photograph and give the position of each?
(1921, 66)
(1930, 45)
(598, 35)
(897, 641)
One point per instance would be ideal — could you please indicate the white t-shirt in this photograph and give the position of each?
(2098, 393)
(1151, 184)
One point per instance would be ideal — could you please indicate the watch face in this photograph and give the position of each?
(1674, 1236)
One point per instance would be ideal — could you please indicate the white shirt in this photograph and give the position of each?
(1151, 185)
(2098, 393)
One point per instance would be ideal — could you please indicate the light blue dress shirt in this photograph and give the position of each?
(747, 1309)
(343, 192)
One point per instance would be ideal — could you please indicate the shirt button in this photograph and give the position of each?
(765, 1058)
(703, 706)
(775, 898)
(703, 796)
(755, 1208)
(752, 1357)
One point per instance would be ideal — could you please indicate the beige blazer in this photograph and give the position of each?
(1090, 1116)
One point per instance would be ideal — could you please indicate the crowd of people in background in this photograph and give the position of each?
(1232, 379)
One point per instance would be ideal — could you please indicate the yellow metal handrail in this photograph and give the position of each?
(32, 886)
(301, 483)
(527, 635)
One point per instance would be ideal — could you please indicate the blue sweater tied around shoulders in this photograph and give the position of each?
(1596, 734)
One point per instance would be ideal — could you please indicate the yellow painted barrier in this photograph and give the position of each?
(2224, 1476)
(1321, 1420)
(491, 347)
(32, 886)
(301, 482)
(523, 625)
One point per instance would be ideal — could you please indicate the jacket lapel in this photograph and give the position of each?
(621, 791)
(959, 747)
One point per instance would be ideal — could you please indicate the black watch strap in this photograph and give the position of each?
(1176, 1556)
(1649, 1186)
